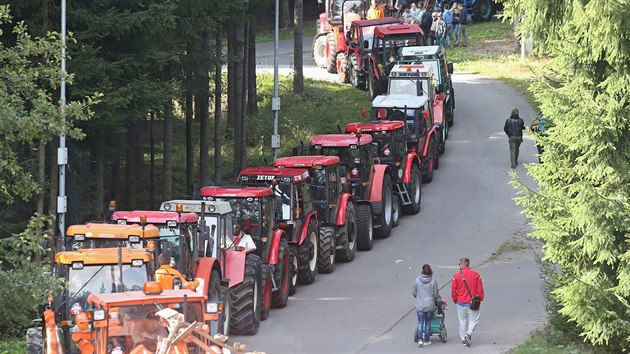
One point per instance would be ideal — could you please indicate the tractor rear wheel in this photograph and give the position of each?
(356, 79)
(34, 341)
(415, 192)
(266, 293)
(348, 237)
(365, 227)
(282, 275)
(386, 209)
(246, 298)
(342, 68)
(327, 246)
(430, 164)
(216, 293)
(331, 59)
(295, 266)
(396, 211)
(436, 159)
(482, 10)
(223, 326)
(319, 51)
(443, 137)
(308, 255)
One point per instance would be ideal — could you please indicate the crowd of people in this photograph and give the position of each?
(444, 24)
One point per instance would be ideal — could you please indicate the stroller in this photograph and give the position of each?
(438, 325)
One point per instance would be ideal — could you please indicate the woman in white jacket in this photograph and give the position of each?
(425, 290)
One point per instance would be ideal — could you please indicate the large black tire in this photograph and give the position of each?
(348, 236)
(357, 79)
(427, 176)
(267, 286)
(217, 293)
(295, 266)
(343, 65)
(319, 51)
(331, 60)
(396, 211)
(365, 227)
(450, 112)
(415, 192)
(436, 159)
(226, 316)
(327, 246)
(246, 298)
(482, 10)
(282, 276)
(385, 230)
(34, 341)
(308, 255)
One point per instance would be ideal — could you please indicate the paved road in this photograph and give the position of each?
(467, 211)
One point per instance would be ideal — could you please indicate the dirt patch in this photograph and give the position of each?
(519, 248)
(500, 47)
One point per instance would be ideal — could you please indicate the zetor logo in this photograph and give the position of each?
(264, 177)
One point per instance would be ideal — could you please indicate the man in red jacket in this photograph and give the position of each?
(468, 319)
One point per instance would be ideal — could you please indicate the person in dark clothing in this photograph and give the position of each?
(425, 23)
(514, 127)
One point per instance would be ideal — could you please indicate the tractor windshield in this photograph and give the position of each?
(347, 156)
(385, 142)
(284, 201)
(389, 46)
(100, 279)
(90, 243)
(137, 329)
(247, 214)
(338, 7)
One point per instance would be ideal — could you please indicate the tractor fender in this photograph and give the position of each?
(53, 344)
(438, 109)
(427, 140)
(304, 232)
(234, 266)
(411, 159)
(322, 23)
(375, 189)
(340, 38)
(274, 246)
(204, 269)
(377, 72)
(344, 199)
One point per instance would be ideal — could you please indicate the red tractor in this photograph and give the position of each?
(254, 213)
(368, 183)
(388, 43)
(226, 259)
(295, 213)
(390, 138)
(354, 52)
(335, 207)
(421, 135)
(331, 30)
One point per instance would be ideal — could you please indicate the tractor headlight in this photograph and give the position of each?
(122, 221)
(79, 237)
(171, 223)
(387, 152)
(98, 315)
(134, 239)
(77, 265)
(137, 263)
(212, 307)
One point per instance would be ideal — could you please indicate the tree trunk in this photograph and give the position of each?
(238, 101)
(231, 74)
(134, 163)
(298, 60)
(252, 104)
(217, 107)
(167, 168)
(201, 107)
(100, 175)
(245, 65)
(285, 13)
(189, 125)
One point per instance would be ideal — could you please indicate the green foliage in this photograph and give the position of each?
(582, 206)
(29, 72)
(25, 275)
(13, 345)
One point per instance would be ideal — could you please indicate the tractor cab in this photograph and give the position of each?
(389, 138)
(178, 230)
(95, 271)
(146, 321)
(361, 33)
(344, 11)
(389, 40)
(411, 79)
(411, 109)
(325, 184)
(97, 235)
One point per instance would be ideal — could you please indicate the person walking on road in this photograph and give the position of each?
(464, 286)
(425, 290)
(514, 127)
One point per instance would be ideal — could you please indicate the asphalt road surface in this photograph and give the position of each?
(467, 211)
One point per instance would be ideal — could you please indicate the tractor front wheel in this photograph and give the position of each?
(246, 298)
(385, 230)
(331, 59)
(430, 162)
(356, 79)
(397, 210)
(327, 246)
(348, 237)
(266, 293)
(415, 191)
(319, 51)
(295, 268)
(34, 341)
(365, 227)
(282, 275)
(308, 256)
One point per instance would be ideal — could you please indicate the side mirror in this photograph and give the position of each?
(449, 67)
(374, 149)
(366, 44)
(343, 171)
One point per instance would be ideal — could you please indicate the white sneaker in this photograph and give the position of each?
(420, 343)
(427, 343)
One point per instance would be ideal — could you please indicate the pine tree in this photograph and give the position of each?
(581, 209)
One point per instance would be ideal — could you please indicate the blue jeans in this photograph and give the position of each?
(424, 318)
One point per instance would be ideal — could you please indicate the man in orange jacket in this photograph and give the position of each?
(166, 274)
(466, 284)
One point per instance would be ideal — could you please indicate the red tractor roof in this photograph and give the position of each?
(154, 217)
(390, 30)
(262, 174)
(236, 191)
(340, 140)
(375, 22)
(374, 126)
(306, 161)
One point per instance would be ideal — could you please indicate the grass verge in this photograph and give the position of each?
(553, 342)
(12, 345)
(265, 34)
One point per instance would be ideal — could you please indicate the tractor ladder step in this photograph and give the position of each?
(404, 195)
